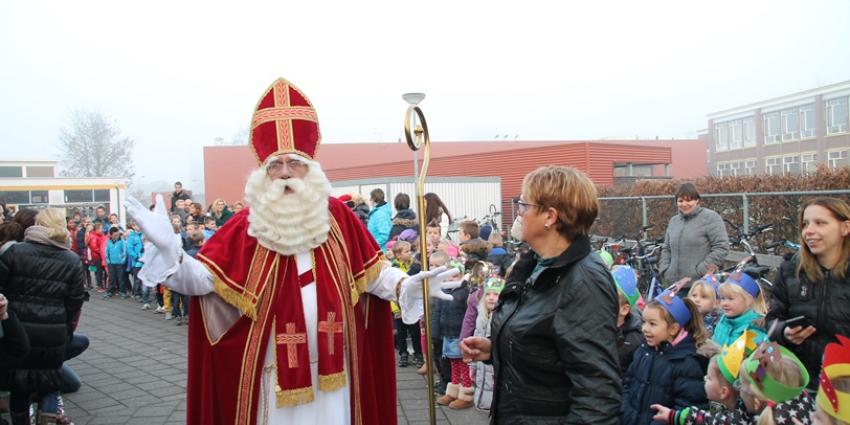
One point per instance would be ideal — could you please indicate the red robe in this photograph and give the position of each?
(224, 375)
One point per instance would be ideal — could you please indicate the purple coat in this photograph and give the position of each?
(468, 327)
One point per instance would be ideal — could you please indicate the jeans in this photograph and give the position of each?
(20, 402)
(71, 382)
(116, 278)
(137, 283)
(178, 300)
(99, 275)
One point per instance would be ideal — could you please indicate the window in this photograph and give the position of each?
(101, 195)
(723, 169)
(750, 167)
(809, 161)
(38, 197)
(838, 159)
(736, 168)
(749, 132)
(771, 128)
(772, 165)
(791, 124)
(836, 115)
(807, 121)
(39, 171)
(721, 137)
(72, 196)
(735, 135)
(791, 164)
(15, 196)
(7, 171)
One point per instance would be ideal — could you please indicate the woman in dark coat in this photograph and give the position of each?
(405, 218)
(43, 281)
(553, 341)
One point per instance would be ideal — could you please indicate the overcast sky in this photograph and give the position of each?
(176, 75)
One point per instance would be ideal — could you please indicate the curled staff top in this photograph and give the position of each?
(412, 141)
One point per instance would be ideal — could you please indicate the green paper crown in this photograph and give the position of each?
(756, 365)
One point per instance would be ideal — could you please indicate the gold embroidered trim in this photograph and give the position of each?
(332, 382)
(218, 272)
(294, 397)
(230, 296)
(370, 275)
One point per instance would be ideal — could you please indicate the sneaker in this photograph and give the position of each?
(107, 295)
(168, 316)
(146, 306)
(179, 321)
(159, 310)
(123, 295)
(418, 361)
(403, 360)
(101, 290)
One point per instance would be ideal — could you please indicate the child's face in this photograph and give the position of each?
(210, 225)
(175, 220)
(433, 234)
(462, 236)
(655, 328)
(115, 236)
(734, 304)
(404, 255)
(435, 262)
(490, 300)
(704, 304)
(714, 382)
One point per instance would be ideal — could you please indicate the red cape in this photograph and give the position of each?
(224, 375)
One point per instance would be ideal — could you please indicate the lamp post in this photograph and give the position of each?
(419, 138)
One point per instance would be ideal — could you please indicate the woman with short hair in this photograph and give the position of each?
(553, 339)
(43, 281)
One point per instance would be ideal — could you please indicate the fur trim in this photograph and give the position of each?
(466, 393)
(476, 246)
(452, 390)
(708, 349)
(404, 222)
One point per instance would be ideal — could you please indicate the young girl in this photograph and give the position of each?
(668, 369)
(773, 386)
(743, 305)
(483, 373)
(448, 318)
(704, 294)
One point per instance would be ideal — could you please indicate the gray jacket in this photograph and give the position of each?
(692, 243)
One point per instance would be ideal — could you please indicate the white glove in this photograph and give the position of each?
(410, 295)
(162, 258)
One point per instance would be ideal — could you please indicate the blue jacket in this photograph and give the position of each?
(728, 329)
(671, 376)
(116, 251)
(380, 224)
(134, 249)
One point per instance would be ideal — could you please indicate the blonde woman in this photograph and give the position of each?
(44, 284)
(220, 212)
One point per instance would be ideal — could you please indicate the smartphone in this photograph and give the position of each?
(798, 321)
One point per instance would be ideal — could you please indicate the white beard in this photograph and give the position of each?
(289, 223)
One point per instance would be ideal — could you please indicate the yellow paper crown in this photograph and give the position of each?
(730, 358)
(836, 364)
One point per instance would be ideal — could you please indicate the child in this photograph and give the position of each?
(629, 324)
(773, 386)
(471, 244)
(448, 318)
(483, 372)
(405, 262)
(116, 258)
(135, 247)
(743, 307)
(437, 259)
(96, 242)
(704, 294)
(180, 302)
(668, 369)
(720, 388)
(833, 401)
(209, 227)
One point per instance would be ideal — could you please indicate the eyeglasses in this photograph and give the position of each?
(522, 206)
(276, 166)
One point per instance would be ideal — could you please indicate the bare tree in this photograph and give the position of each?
(93, 147)
(240, 137)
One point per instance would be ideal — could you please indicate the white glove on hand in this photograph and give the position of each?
(162, 258)
(410, 295)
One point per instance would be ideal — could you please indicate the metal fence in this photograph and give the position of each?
(624, 216)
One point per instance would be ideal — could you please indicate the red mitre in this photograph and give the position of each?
(284, 121)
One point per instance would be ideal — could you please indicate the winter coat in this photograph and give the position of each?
(225, 215)
(710, 319)
(44, 285)
(671, 376)
(800, 408)
(728, 329)
(97, 246)
(182, 196)
(692, 243)
(826, 304)
(116, 251)
(380, 224)
(716, 415)
(80, 236)
(482, 373)
(14, 344)
(554, 342)
(500, 258)
(403, 220)
(467, 328)
(362, 212)
(476, 249)
(447, 317)
(629, 338)
(134, 249)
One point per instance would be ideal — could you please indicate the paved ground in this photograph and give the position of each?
(134, 372)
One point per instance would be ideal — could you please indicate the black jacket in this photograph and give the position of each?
(362, 212)
(629, 338)
(554, 342)
(14, 345)
(447, 317)
(44, 285)
(405, 219)
(826, 304)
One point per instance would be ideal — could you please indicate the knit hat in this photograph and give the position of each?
(624, 277)
(729, 360)
(836, 364)
(408, 235)
(675, 305)
(484, 231)
(756, 367)
(746, 282)
(494, 284)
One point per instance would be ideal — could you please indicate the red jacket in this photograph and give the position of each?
(96, 242)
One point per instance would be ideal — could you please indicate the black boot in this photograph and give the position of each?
(403, 361)
(418, 361)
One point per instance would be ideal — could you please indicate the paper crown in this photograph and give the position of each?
(744, 281)
(710, 279)
(675, 305)
(756, 367)
(494, 284)
(624, 277)
(836, 364)
(284, 122)
(730, 358)
(455, 264)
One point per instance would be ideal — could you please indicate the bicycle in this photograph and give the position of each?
(750, 264)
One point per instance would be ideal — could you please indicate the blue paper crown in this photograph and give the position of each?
(624, 277)
(675, 305)
(744, 281)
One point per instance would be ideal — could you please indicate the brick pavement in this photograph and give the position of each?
(134, 372)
